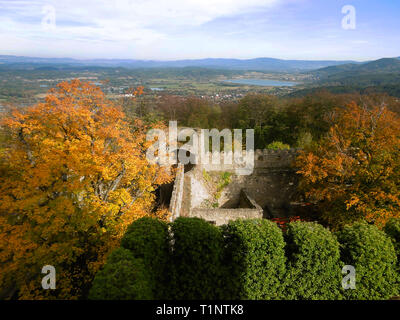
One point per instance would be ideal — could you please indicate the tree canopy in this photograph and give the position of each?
(354, 172)
(73, 176)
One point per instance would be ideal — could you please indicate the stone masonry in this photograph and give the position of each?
(268, 192)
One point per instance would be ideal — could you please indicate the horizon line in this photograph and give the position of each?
(190, 59)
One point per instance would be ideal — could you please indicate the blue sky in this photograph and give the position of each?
(191, 29)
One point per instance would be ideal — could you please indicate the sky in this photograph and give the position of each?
(193, 29)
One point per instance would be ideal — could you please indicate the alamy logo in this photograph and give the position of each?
(349, 281)
(49, 281)
(49, 18)
(196, 150)
(349, 20)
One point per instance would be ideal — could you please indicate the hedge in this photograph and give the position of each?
(197, 260)
(255, 259)
(392, 229)
(122, 278)
(148, 239)
(249, 259)
(314, 271)
(372, 254)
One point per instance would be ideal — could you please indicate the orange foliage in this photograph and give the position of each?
(354, 172)
(73, 177)
(283, 222)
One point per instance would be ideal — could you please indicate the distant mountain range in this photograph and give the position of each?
(258, 64)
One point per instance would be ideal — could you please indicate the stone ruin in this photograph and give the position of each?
(218, 195)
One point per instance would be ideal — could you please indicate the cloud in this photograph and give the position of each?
(175, 29)
(119, 21)
(175, 12)
(138, 14)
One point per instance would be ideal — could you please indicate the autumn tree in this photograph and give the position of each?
(73, 176)
(354, 172)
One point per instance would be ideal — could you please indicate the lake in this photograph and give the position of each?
(263, 82)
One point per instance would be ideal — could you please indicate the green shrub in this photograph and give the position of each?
(277, 145)
(122, 278)
(246, 260)
(314, 268)
(148, 239)
(255, 259)
(392, 229)
(197, 260)
(372, 254)
(304, 140)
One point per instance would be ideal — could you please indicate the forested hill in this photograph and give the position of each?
(385, 66)
(379, 76)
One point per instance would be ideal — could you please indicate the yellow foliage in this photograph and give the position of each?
(74, 176)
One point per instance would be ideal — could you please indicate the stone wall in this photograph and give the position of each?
(262, 159)
(246, 202)
(177, 193)
(272, 186)
(223, 216)
(248, 210)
